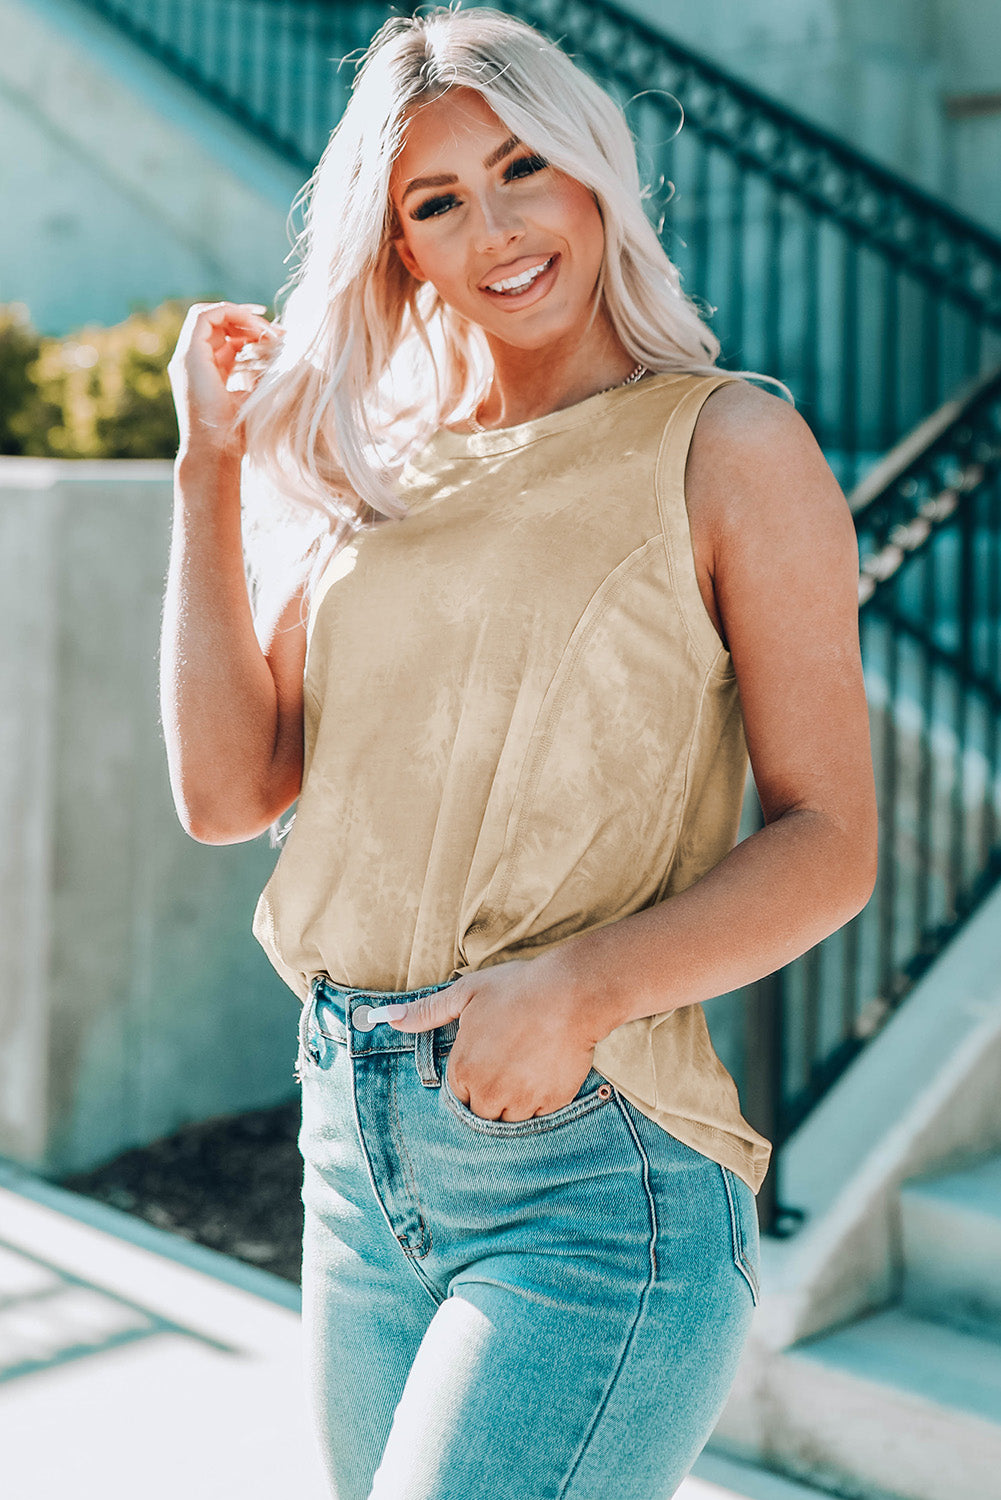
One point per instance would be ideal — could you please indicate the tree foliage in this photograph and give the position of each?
(96, 393)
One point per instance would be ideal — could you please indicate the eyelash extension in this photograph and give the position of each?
(433, 207)
(535, 163)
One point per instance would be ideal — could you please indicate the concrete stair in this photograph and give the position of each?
(951, 1228)
(905, 1403)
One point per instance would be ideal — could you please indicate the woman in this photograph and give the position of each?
(559, 575)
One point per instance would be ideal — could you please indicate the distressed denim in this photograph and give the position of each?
(542, 1309)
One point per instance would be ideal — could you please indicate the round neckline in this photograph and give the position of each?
(500, 439)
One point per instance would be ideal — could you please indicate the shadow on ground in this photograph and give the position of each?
(231, 1183)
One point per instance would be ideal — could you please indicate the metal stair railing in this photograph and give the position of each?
(872, 299)
(929, 528)
(930, 588)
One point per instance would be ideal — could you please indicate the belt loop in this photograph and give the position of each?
(424, 1057)
(305, 1020)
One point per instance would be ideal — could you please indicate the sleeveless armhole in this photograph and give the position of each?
(672, 459)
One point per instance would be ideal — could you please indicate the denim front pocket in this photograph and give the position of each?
(744, 1229)
(594, 1092)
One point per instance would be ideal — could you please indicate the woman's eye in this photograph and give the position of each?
(524, 166)
(431, 207)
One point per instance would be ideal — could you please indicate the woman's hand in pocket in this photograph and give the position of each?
(522, 1048)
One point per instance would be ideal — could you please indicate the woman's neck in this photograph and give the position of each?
(530, 383)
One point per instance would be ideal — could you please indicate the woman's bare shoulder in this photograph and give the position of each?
(740, 420)
(754, 457)
(761, 497)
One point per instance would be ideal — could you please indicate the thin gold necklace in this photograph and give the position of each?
(635, 374)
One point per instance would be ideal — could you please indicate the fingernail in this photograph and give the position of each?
(256, 306)
(388, 1012)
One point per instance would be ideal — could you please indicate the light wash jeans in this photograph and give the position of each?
(543, 1309)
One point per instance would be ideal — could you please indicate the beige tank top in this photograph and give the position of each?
(521, 723)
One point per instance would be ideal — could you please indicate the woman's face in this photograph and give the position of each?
(479, 210)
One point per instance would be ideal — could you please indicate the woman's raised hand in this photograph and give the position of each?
(212, 339)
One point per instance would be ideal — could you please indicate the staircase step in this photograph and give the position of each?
(894, 1403)
(951, 1228)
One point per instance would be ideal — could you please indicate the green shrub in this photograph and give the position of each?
(96, 393)
(25, 416)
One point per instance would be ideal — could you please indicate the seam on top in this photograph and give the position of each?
(460, 454)
(711, 663)
(576, 415)
(687, 785)
(569, 656)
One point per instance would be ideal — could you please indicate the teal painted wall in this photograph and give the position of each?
(118, 186)
(887, 76)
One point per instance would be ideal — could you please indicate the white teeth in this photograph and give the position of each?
(520, 282)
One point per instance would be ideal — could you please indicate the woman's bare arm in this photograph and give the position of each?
(773, 531)
(231, 702)
(232, 708)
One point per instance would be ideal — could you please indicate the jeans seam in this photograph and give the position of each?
(377, 1197)
(641, 1309)
(736, 1234)
(408, 1171)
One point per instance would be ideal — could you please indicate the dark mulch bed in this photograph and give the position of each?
(231, 1183)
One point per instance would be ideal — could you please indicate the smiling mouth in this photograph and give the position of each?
(515, 284)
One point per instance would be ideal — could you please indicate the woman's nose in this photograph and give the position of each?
(497, 227)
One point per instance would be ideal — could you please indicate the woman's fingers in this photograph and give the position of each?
(211, 339)
(224, 325)
(215, 325)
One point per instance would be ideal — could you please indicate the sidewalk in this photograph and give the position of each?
(135, 1362)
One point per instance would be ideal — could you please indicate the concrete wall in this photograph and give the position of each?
(133, 997)
(118, 185)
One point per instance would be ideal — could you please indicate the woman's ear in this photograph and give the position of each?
(407, 256)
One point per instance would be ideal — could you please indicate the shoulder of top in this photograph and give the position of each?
(734, 418)
(750, 450)
(733, 404)
(741, 415)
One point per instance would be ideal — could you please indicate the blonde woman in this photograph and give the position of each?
(532, 577)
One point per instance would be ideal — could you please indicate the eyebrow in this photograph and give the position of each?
(444, 178)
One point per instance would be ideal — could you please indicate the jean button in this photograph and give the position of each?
(361, 1019)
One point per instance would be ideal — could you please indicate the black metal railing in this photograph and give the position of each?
(872, 299)
(929, 527)
(930, 623)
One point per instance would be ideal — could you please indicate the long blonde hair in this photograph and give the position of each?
(373, 361)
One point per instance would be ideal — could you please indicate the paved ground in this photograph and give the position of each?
(134, 1362)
